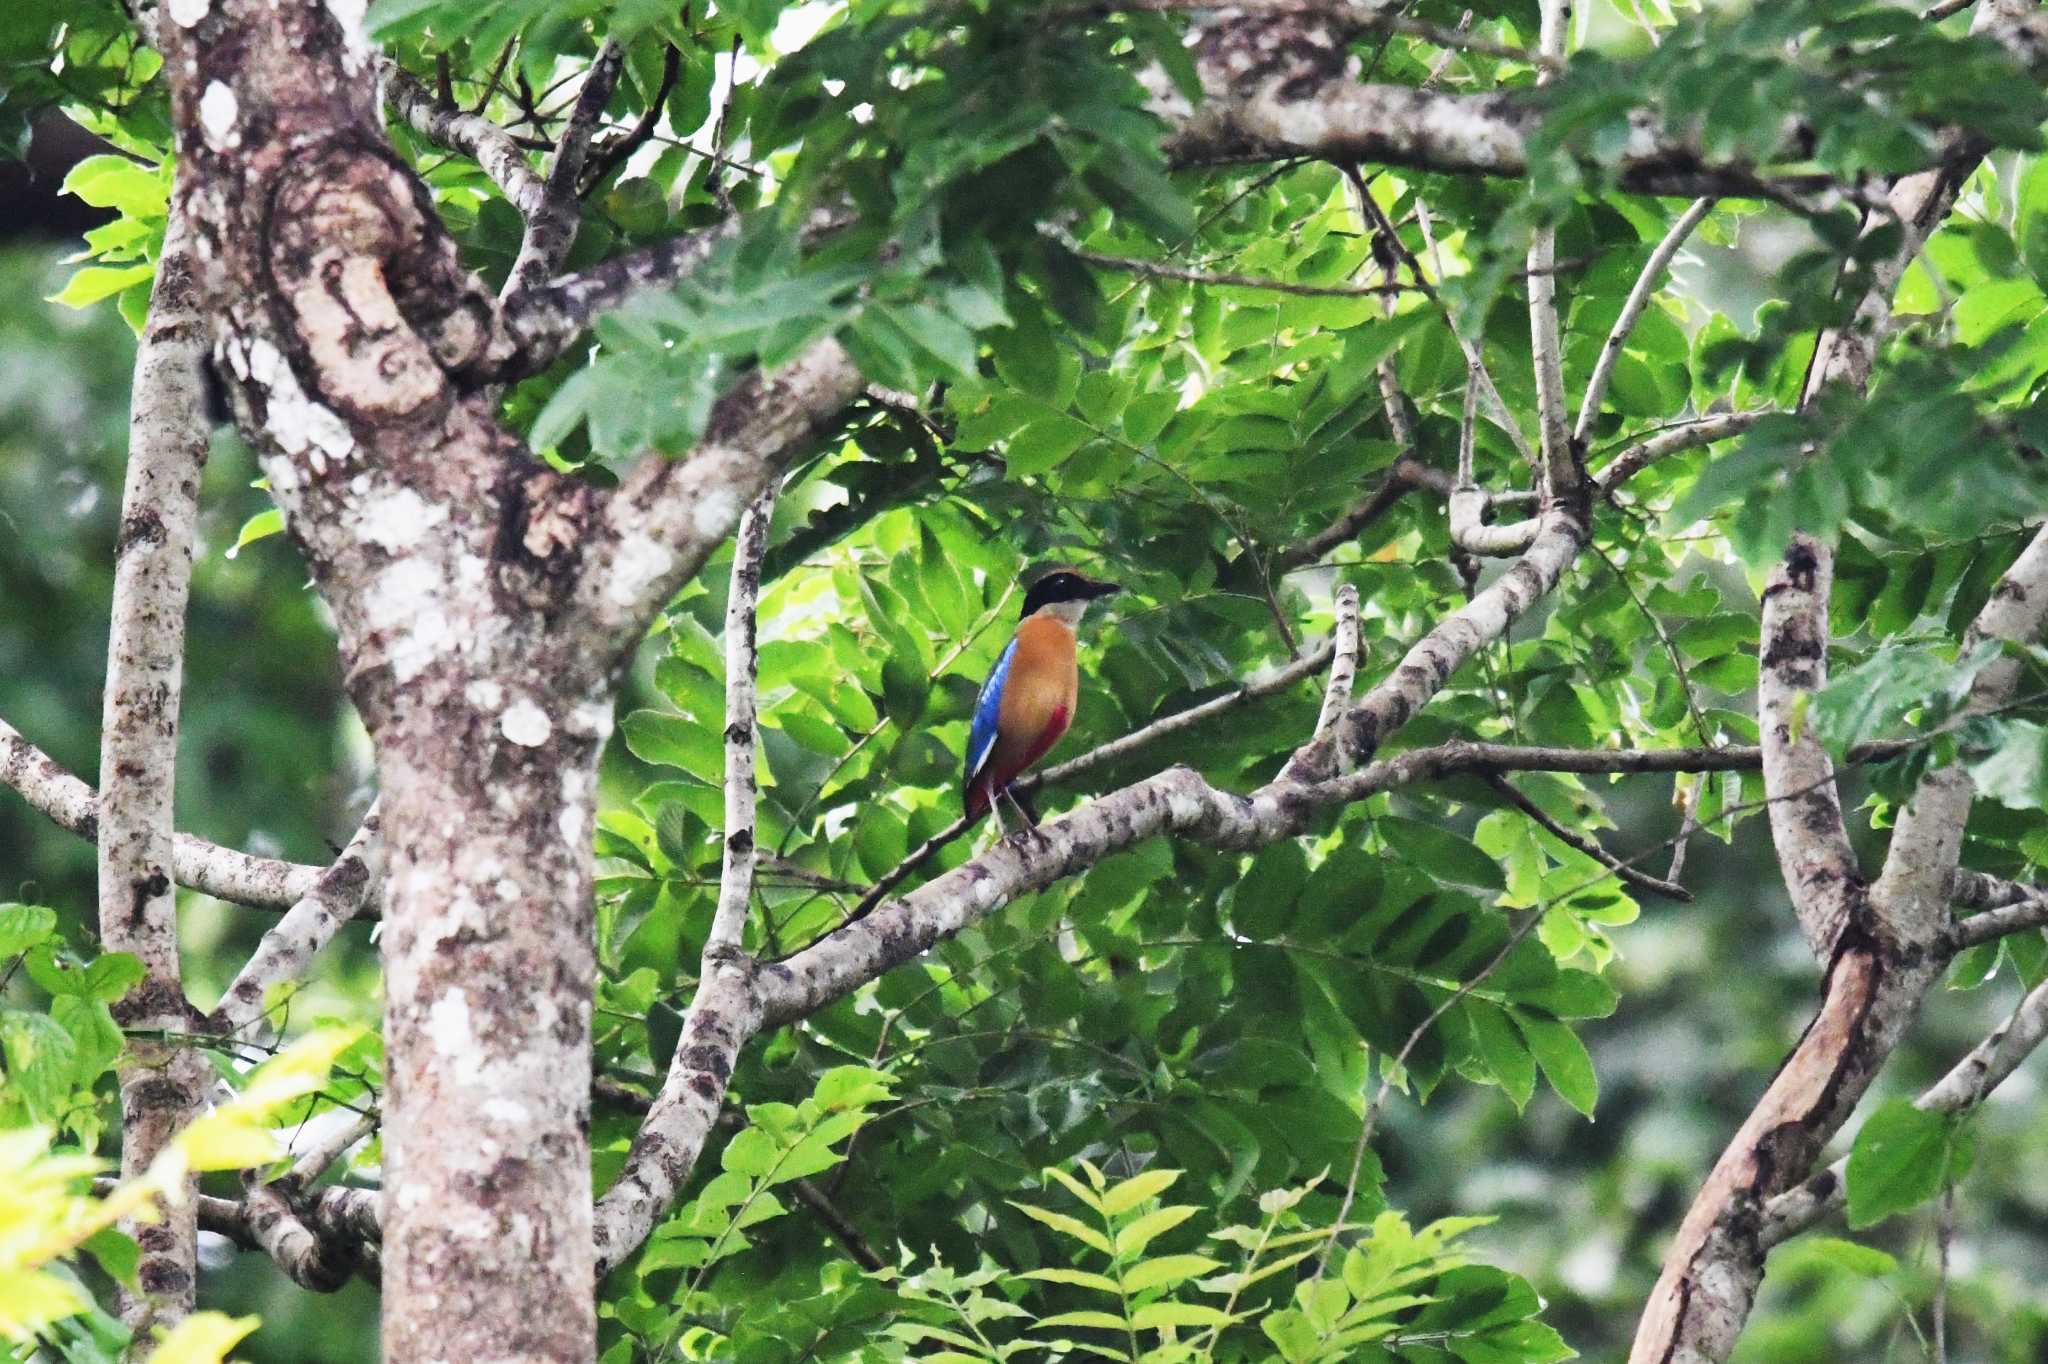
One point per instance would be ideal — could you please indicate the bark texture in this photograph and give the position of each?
(162, 1087)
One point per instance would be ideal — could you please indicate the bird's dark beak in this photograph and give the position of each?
(1096, 590)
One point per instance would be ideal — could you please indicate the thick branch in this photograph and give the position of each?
(210, 869)
(1987, 1066)
(663, 522)
(1814, 855)
(167, 441)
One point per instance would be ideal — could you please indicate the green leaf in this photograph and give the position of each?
(1441, 854)
(1167, 1270)
(1161, 1316)
(1503, 1050)
(1901, 1158)
(261, 526)
(1563, 1057)
(1133, 1237)
(24, 926)
(751, 1152)
(96, 282)
(117, 1254)
(1868, 1261)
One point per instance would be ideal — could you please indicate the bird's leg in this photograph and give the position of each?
(995, 809)
(1024, 811)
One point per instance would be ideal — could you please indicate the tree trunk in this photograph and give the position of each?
(488, 971)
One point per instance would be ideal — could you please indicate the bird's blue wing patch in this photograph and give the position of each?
(981, 740)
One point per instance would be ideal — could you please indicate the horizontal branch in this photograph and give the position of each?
(225, 874)
(2022, 909)
(1468, 526)
(1157, 269)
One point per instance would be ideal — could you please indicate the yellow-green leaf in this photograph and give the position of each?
(95, 282)
(1080, 1278)
(1137, 1189)
(203, 1338)
(1066, 1226)
(1159, 1316)
(1133, 1239)
(1168, 1269)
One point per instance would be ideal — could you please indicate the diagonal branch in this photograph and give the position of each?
(1407, 475)
(1632, 311)
(1987, 1065)
(287, 950)
(473, 135)
(209, 868)
(551, 225)
(1588, 847)
(660, 525)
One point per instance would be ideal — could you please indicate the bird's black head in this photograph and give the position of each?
(1064, 585)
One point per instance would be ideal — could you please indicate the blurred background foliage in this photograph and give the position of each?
(1176, 1006)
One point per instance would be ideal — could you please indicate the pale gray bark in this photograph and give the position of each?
(224, 873)
(287, 950)
(162, 1087)
(1814, 856)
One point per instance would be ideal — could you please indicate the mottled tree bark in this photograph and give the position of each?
(162, 1086)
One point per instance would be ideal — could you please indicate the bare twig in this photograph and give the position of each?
(1632, 311)
(1153, 269)
(1405, 476)
(611, 155)
(1641, 880)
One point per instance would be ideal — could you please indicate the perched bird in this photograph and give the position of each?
(1028, 701)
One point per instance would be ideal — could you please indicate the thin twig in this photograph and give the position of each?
(614, 154)
(1639, 879)
(736, 875)
(1632, 311)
